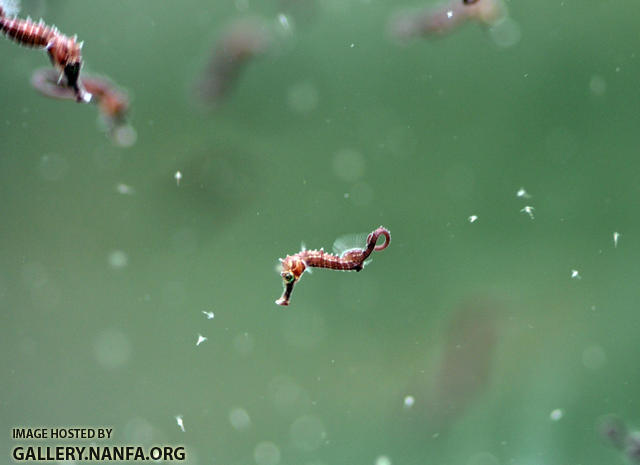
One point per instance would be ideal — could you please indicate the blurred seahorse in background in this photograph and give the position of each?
(239, 43)
(443, 19)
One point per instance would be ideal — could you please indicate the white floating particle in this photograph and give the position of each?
(178, 177)
(383, 460)
(352, 45)
(528, 210)
(616, 236)
(450, 14)
(556, 414)
(523, 194)
(201, 339)
(180, 422)
(575, 274)
(285, 24)
(472, 218)
(209, 315)
(125, 189)
(409, 401)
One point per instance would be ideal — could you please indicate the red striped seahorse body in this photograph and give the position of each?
(64, 52)
(293, 266)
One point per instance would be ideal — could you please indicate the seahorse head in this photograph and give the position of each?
(291, 269)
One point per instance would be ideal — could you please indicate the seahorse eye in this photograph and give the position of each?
(71, 72)
(288, 277)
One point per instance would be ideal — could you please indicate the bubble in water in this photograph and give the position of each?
(266, 453)
(556, 414)
(506, 33)
(112, 348)
(118, 259)
(593, 357)
(53, 167)
(597, 85)
(124, 136)
(239, 418)
(307, 433)
(302, 97)
(349, 165)
(383, 460)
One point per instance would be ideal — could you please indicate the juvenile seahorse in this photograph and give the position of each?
(293, 266)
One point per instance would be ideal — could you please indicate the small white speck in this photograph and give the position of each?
(346, 195)
(283, 20)
(201, 339)
(529, 211)
(352, 45)
(178, 177)
(124, 189)
(472, 219)
(409, 401)
(575, 274)
(616, 237)
(450, 14)
(556, 414)
(180, 422)
(209, 315)
(383, 460)
(523, 194)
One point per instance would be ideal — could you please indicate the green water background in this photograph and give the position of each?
(480, 322)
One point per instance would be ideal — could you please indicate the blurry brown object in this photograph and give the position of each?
(238, 44)
(614, 430)
(467, 356)
(617, 433)
(443, 19)
(113, 104)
